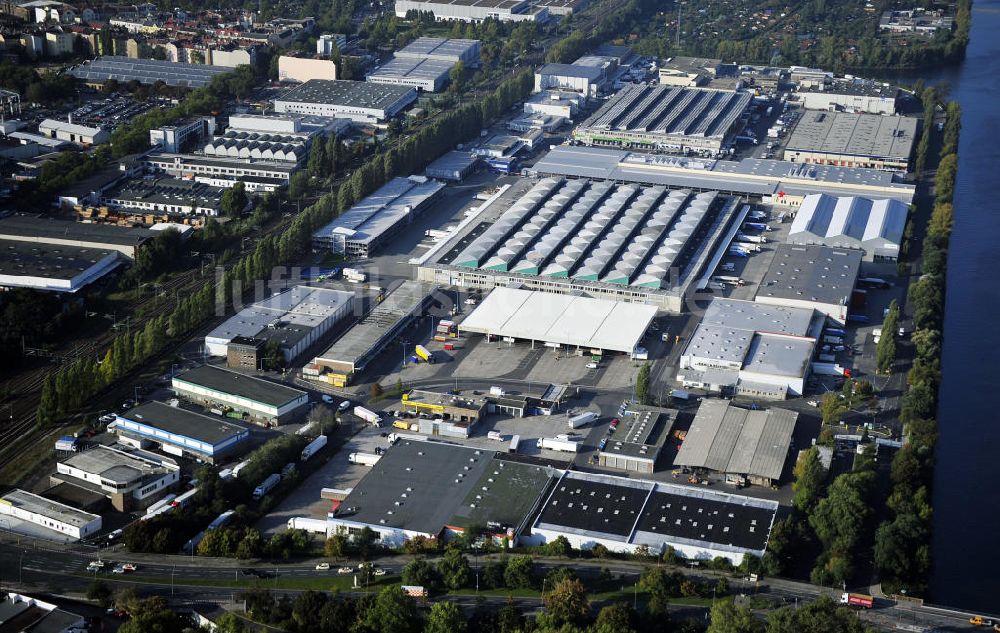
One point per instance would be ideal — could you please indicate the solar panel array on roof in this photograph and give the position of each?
(147, 71)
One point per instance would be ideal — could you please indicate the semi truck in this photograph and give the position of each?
(183, 499)
(238, 467)
(309, 525)
(729, 279)
(313, 447)
(364, 459)
(162, 503)
(221, 520)
(515, 442)
(266, 486)
(555, 444)
(857, 600)
(756, 226)
(754, 239)
(833, 340)
(738, 251)
(424, 354)
(577, 421)
(367, 415)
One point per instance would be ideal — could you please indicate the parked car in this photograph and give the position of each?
(591, 365)
(130, 566)
(345, 570)
(379, 572)
(344, 406)
(327, 399)
(322, 566)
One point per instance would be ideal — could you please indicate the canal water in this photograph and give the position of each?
(966, 550)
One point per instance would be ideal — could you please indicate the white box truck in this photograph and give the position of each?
(266, 486)
(313, 447)
(367, 415)
(577, 421)
(553, 444)
(364, 459)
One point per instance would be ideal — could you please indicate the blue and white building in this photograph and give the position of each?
(181, 432)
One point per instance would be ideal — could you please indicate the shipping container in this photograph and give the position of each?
(449, 347)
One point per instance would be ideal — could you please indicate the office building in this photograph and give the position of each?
(183, 136)
(181, 432)
(260, 400)
(68, 522)
(329, 41)
(814, 277)
(222, 171)
(358, 101)
(666, 118)
(131, 480)
(852, 140)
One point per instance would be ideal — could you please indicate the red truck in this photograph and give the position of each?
(857, 600)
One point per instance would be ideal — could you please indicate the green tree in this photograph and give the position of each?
(520, 572)
(810, 476)
(421, 573)
(318, 163)
(229, 622)
(616, 618)
(642, 384)
(885, 353)
(393, 612)
(821, 615)
(298, 185)
(566, 603)
(274, 359)
(445, 617)
(234, 200)
(454, 569)
(728, 618)
(100, 592)
(335, 546)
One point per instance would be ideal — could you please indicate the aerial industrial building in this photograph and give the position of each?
(300, 69)
(666, 118)
(181, 432)
(874, 227)
(820, 278)
(295, 319)
(146, 71)
(40, 229)
(130, 479)
(362, 229)
(74, 133)
(256, 175)
(454, 165)
(355, 100)
(638, 440)
(68, 522)
(165, 197)
(442, 49)
(773, 181)
(263, 401)
(556, 320)
(434, 490)
(586, 80)
(599, 239)
(753, 349)
(852, 140)
(748, 446)
(428, 75)
(476, 10)
(851, 95)
(54, 267)
(352, 352)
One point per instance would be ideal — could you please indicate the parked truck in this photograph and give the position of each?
(729, 279)
(554, 444)
(495, 435)
(577, 421)
(313, 447)
(309, 525)
(753, 239)
(266, 486)
(183, 499)
(354, 275)
(162, 503)
(368, 415)
(424, 354)
(756, 226)
(515, 442)
(857, 600)
(364, 459)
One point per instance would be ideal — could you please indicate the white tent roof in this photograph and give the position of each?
(563, 319)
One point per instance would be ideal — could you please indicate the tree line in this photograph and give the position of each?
(902, 544)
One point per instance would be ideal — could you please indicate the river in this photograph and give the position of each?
(966, 491)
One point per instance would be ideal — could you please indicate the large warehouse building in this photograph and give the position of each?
(359, 231)
(852, 140)
(428, 75)
(773, 181)
(68, 522)
(475, 10)
(434, 489)
(443, 50)
(54, 267)
(146, 71)
(256, 175)
(352, 352)
(263, 401)
(600, 239)
(751, 349)
(554, 320)
(666, 118)
(131, 480)
(182, 432)
(295, 319)
(748, 446)
(852, 95)
(41, 229)
(355, 100)
(813, 277)
(874, 227)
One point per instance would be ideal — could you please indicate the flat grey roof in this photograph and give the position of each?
(49, 261)
(642, 435)
(438, 48)
(591, 73)
(856, 87)
(671, 110)
(147, 71)
(167, 191)
(220, 161)
(505, 494)
(355, 345)
(300, 308)
(113, 464)
(211, 430)
(412, 68)
(596, 504)
(451, 162)
(40, 505)
(863, 135)
(42, 227)
(811, 273)
(416, 485)
(729, 439)
(355, 94)
(230, 382)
